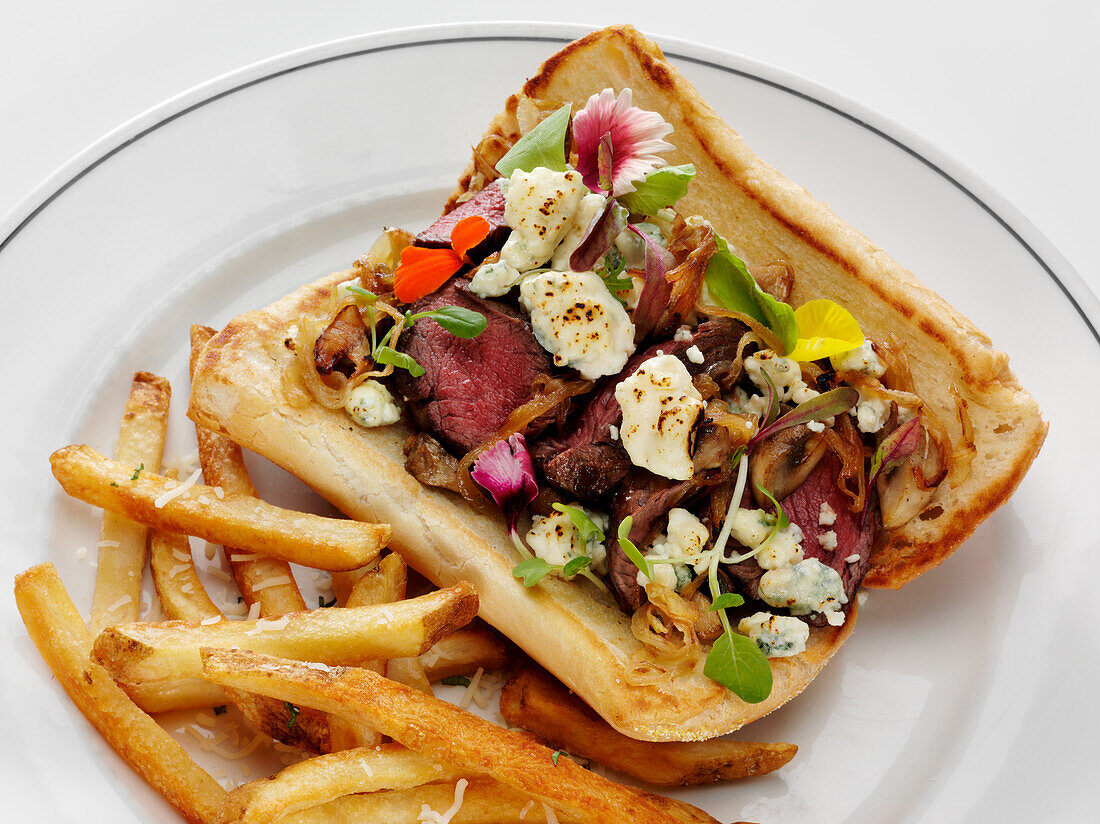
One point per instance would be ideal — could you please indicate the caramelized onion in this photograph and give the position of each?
(693, 246)
(966, 450)
(844, 441)
(666, 625)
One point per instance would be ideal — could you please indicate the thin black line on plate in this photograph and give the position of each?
(547, 39)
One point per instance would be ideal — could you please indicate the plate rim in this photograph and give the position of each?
(1065, 277)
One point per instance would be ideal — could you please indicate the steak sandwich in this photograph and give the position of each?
(667, 412)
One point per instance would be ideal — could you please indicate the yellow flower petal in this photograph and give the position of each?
(825, 328)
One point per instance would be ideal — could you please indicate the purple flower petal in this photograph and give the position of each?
(505, 470)
(634, 138)
(657, 291)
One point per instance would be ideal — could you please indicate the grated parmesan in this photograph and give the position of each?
(277, 581)
(220, 574)
(180, 555)
(108, 544)
(241, 557)
(121, 602)
(431, 816)
(171, 494)
(219, 493)
(263, 624)
(210, 551)
(254, 611)
(213, 619)
(526, 809)
(471, 688)
(81, 553)
(551, 816)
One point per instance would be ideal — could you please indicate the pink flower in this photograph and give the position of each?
(633, 136)
(505, 470)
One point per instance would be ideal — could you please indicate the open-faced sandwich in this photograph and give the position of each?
(665, 410)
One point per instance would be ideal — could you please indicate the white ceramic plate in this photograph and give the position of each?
(957, 699)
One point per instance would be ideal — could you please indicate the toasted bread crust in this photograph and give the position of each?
(574, 631)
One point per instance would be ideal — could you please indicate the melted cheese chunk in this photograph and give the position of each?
(808, 586)
(684, 539)
(539, 208)
(555, 539)
(861, 359)
(371, 404)
(778, 636)
(578, 321)
(590, 206)
(750, 527)
(494, 279)
(660, 408)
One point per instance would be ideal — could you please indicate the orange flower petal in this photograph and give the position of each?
(422, 271)
(468, 233)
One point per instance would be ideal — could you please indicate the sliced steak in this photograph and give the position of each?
(803, 507)
(469, 386)
(489, 204)
(587, 463)
(648, 498)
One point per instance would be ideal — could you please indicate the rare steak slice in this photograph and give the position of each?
(853, 542)
(469, 386)
(647, 498)
(587, 462)
(489, 204)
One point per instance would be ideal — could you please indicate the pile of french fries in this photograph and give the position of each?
(350, 686)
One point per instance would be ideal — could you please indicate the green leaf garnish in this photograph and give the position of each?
(456, 681)
(459, 321)
(726, 600)
(532, 570)
(321, 601)
(729, 282)
(781, 519)
(137, 472)
(630, 550)
(367, 295)
(575, 565)
(737, 663)
(818, 408)
(584, 525)
(660, 189)
(387, 354)
(555, 755)
(293, 710)
(544, 145)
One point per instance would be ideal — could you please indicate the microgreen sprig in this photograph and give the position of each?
(459, 321)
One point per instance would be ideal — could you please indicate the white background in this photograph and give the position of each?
(1010, 89)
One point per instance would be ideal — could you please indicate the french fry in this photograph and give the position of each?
(223, 465)
(443, 731)
(179, 588)
(383, 584)
(328, 777)
(464, 651)
(122, 542)
(484, 801)
(58, 631)
(234, 520)
(170, 650)
(535, 700)
(169, 696)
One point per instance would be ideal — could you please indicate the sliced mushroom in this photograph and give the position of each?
(905, 491)
(783, 461)
(344, 346)
(713, 446)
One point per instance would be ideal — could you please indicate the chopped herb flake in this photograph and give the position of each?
(137, 471)
(293, 710)
(220, 709)
(456, 681)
